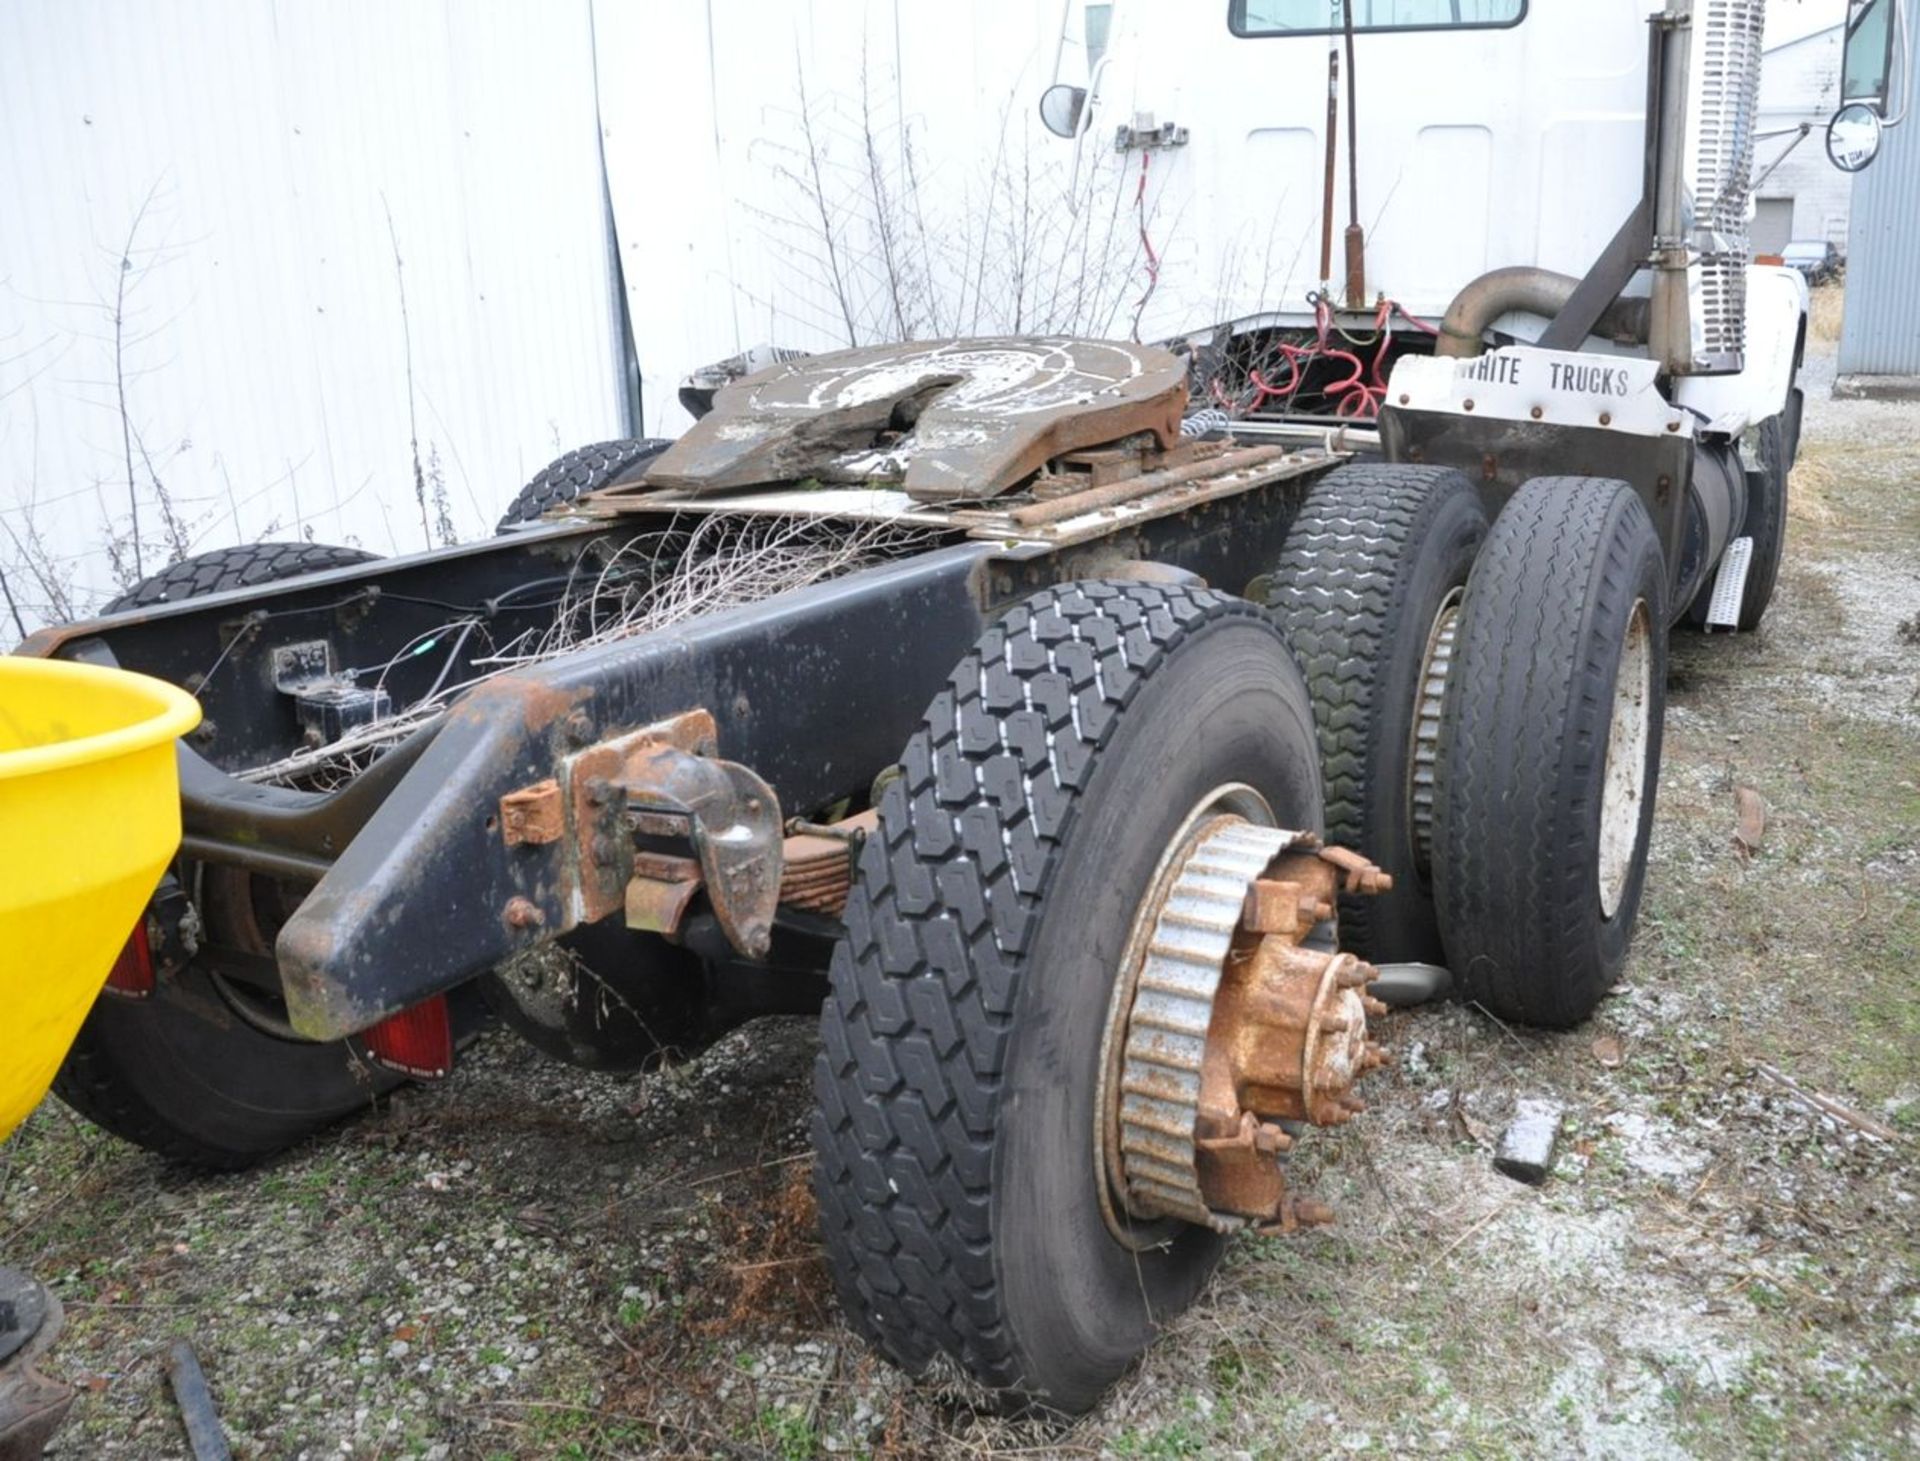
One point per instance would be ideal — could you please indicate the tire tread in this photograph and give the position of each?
(1512, 903)
(241, 566)
(584, 469)
(925, 982)
(1342, 604)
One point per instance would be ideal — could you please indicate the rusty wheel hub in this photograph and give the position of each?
(1236, 1020)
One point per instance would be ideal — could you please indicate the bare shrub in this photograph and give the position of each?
(873, 250)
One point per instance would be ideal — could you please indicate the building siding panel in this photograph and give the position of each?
(273, 157)
(1881, 331)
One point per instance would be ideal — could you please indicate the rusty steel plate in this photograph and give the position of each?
(947, 419)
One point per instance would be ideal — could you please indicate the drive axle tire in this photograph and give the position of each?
(182, 1073)
(585, 469)
(1550, 750)
(956, 1154)
(1367, 589)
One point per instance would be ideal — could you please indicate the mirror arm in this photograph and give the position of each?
(1093, 78)
(1060, 40)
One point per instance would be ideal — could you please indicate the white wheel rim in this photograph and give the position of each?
(1623, 791)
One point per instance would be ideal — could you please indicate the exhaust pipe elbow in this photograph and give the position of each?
(1534, 291)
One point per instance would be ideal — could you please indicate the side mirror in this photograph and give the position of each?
(1853, 136)
(1062, 108)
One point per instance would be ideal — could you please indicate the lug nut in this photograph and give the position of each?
(1357, 974)
(1373, 1006)
(1271, 1139)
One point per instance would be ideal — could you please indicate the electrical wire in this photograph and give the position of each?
(373, 593)
(1153, 259)
(1358, 396)
(1413, 319)
(453, 658)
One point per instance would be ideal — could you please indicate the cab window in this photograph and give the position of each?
(1869, 52)
(1324, 17)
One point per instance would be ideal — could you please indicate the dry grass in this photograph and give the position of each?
(1828, 305)
(778, 1271)
(1811, 488)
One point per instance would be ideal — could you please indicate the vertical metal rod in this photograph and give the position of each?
(1353, 119)
(1333, 156)
(1356, 237)
(1670, 325)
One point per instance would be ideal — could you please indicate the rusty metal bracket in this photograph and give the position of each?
(664, 780)
(533, 815)
(733, 821)
(660, 891)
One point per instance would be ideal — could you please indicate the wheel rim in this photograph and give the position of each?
(1235, 799)
(1424, 755)
(1624, 787)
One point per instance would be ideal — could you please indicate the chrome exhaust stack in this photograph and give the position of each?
(1706, 87)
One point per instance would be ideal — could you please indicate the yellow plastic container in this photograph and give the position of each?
(89, 817)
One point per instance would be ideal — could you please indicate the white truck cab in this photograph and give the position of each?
(1513, 234)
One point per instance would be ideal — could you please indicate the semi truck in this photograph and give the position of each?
(1086, 730)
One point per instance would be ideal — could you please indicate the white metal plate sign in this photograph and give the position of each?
(1555, 387)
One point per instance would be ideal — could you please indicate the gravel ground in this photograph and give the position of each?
(527, 1261)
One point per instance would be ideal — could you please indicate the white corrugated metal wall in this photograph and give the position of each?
(729, 124)
(264, 160)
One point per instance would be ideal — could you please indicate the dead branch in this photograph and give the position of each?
(1827, 1105)
(120, 286)
(6, 592)
(818, 196)
(406, 342)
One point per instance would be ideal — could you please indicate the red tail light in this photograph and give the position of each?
(132, 974)
(416, 1042)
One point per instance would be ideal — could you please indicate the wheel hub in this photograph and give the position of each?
(1242, 1020)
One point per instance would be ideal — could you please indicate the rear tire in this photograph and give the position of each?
(956, 1152)
(1550, 751)
(236, 567)
(181, 1072)
(1371, 572)
(584, 469)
